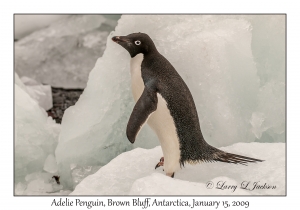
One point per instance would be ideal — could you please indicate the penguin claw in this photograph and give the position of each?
(157, 165)
(160, 163)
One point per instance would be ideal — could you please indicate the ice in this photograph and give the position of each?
(42, 184)
(133, 173)
(36, 134)
(271, 103)
(117, 177)
(20, 188)
(80, 172)
(36, 137)
(50, 164)
(41, 93)
(38, 186)
(158, 184)
(227, 62)
(29, 82)
(268, 49)
(63, 54)
(256, 121)
(26, 24)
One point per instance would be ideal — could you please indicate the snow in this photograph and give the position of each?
(133, 173)
(35, 134)
(63, 54)
(80, 172)
(233, 65)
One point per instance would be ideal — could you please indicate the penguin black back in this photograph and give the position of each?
(159, 76)
(181, 105)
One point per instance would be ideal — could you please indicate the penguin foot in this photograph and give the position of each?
(160, 163)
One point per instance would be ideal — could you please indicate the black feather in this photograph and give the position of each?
(233, 158)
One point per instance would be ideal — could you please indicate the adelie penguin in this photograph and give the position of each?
(164, 101)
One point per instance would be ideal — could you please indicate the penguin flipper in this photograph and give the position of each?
(146, 104)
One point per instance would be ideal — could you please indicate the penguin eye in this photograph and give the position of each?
(137, 42)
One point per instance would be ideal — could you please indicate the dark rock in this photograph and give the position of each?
(63, 99)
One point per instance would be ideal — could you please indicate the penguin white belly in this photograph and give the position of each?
(160, 121)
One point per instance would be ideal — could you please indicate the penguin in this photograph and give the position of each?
(164, 101)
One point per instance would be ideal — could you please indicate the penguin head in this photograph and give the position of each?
(136, 43)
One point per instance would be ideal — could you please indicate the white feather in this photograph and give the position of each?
(160, 121)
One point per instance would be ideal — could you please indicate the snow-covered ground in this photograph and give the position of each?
(133, 173)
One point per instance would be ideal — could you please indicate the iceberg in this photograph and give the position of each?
(133, 173)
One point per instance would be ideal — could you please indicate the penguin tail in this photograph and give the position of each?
(233, 158)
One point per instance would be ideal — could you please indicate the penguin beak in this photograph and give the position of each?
(119, 39)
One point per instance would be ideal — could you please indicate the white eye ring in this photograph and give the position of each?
(137, 42)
